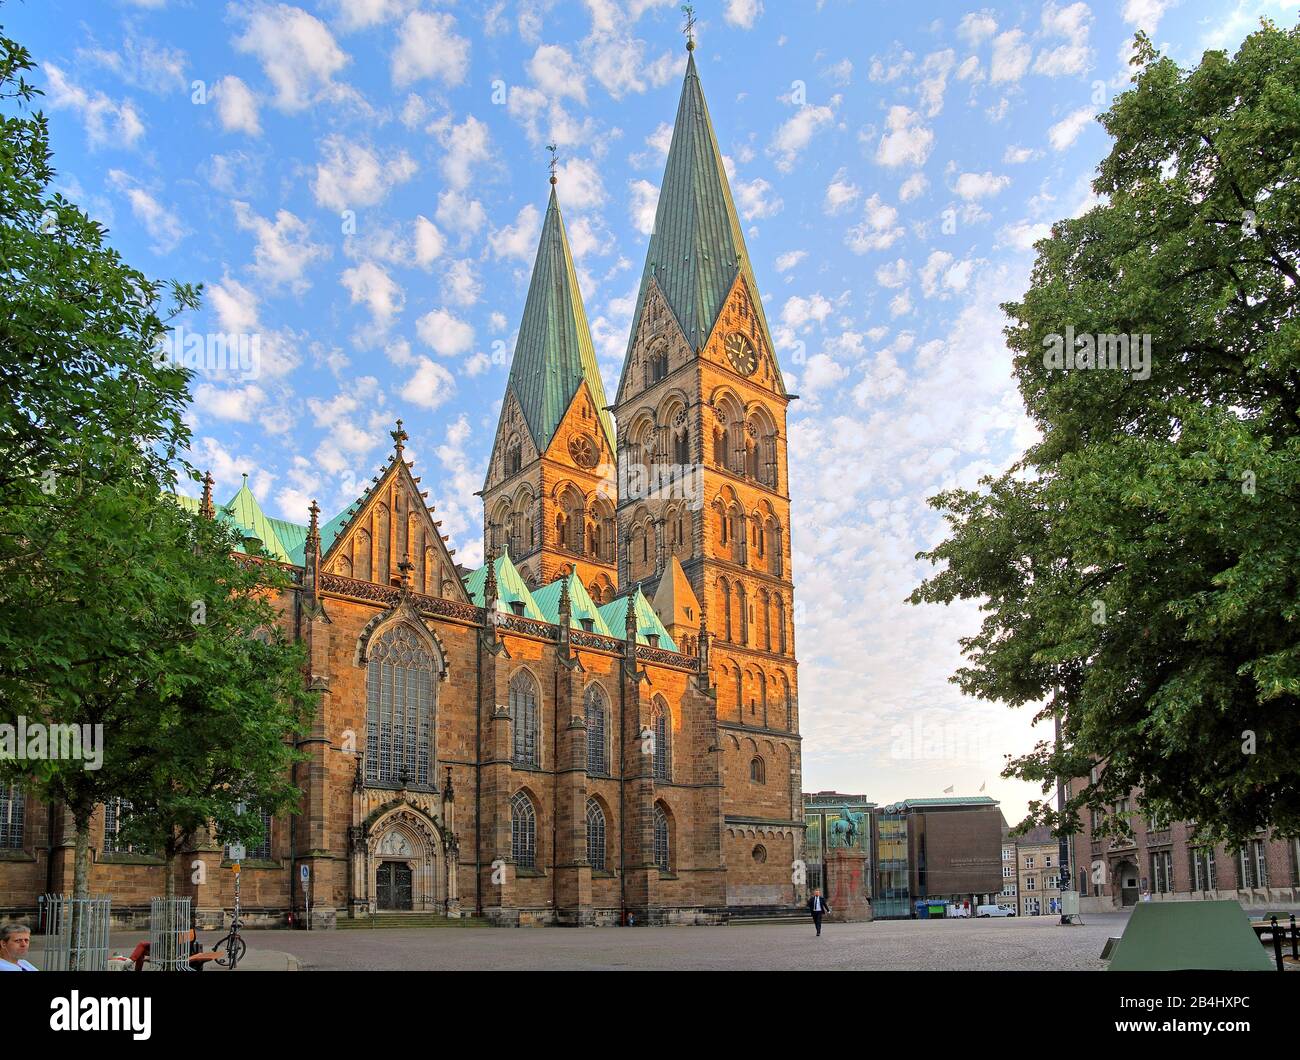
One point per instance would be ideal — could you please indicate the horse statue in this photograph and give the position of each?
(846, 830)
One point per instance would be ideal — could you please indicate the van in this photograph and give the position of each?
(994, 910)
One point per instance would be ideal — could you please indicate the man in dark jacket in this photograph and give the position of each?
(818, 907)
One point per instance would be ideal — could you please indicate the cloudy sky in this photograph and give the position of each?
(360, 184)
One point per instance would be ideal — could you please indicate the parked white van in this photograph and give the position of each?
(994, 910)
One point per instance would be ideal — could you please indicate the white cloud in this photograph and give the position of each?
(907, 141)
(970, 70)
(1011, 55)
(358, 14)
(972, 186)
(239, 404)
(913, 187)
(796, 133)
(163, 225)
(467, 145)
(942, 273)
(445, 333)
(460, 213)
(900, 304)
(520, 239)
(840, 193)
(1069, 128)
(1072, 23)
(557, 73)
(743, 13)
(977, 26)
(893, 274)
(935, 71)
(755, 199)
(106, 122)
(283, 250)
(643, 202)
(1015, 155)
(236, 106)
(580, 186)
(787, 261)
(1145, 14)
(429, 242)
(142, 63)
(368, 283)
(350, 174)
(298, 53)
(799, 314)
(460, 284)
(879, 229)
(430, 386)
(1023, 234)
(429, 47)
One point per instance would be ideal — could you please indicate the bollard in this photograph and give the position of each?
(1277, 945)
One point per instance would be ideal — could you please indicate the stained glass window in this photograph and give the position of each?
(399, 709)
(523, 830)
(597, 742)
(13, 806)
(595, 835)
(661, 839)
(523, 720)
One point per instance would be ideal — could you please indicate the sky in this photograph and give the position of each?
(359, 186)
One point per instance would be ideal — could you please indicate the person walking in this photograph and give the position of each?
(818, 908)
(14, 940)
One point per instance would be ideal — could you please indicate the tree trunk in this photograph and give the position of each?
(81, 864)
(169, 880)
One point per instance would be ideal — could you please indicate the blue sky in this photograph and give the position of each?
(361, 183)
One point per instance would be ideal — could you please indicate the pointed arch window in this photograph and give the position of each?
(399, 709)
(523, 830)
(13, 808)
(663, 853)
(597, 729)
(524, 721)
(757, 771)
(595, 835)
(660, 725)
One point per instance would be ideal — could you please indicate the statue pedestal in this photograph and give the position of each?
(846, 885)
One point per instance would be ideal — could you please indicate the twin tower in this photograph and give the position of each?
(684, 490)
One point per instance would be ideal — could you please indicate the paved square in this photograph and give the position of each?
(1013, 944)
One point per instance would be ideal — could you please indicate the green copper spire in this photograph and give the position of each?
(554, 353)
(697, 247)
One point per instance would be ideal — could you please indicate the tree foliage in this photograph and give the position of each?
(1139, 566)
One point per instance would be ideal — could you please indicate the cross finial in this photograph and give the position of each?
(313, 529)
(399, 437)
(689, 10)
(555, 161)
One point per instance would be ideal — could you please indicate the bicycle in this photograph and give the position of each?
(235, 946)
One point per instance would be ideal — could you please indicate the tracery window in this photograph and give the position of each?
(595, 835)
(662, 852)
(523, 720)
(13, 806)
(399, 708)
(597, 742)
(523, 830)
(663, 765)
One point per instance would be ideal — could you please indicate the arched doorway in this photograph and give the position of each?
(406, 859)
(1125, 886)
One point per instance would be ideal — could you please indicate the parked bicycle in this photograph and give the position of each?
(226, 952)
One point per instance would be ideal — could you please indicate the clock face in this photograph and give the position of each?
(583, 450)
(740, 351)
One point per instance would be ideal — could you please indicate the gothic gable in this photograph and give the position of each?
(513, 448)
(658, 335)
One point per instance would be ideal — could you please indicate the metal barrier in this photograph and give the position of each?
(169, 934)
(76, 933)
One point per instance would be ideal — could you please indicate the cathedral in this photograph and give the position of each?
(600, 724)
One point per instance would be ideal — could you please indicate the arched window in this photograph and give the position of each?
(399, 708)
(663, 855)
(597, 740)
(757, 772)
(595, 835)
(13, 807)
(662, 728)
(523, 720)
(523, 830)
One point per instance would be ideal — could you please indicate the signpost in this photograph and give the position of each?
(304, 875)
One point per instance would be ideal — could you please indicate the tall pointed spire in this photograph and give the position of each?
(554, 351)
(698, 246)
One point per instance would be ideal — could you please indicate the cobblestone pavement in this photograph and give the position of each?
(1018, 943)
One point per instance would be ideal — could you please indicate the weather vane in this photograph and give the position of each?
(689, 9)
(555, 160)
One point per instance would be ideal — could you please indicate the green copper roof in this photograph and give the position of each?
(953, 800)
(510, 588)
(647, 622)
(553, 353)
(697, 247)
(580, 605)
(245, 512)
(293, 537)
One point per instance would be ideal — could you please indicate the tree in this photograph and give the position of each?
(99, 571)
(1138, 566)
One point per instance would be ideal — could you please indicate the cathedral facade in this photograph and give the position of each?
(598, 725)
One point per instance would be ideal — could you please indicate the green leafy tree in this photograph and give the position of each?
(98, 571)
(1138, 567)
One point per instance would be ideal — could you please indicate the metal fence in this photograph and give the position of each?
(76, 933)
(169, 934)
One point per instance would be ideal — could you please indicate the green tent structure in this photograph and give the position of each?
(1179, 936)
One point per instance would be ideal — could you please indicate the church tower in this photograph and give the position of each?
(549, 492)
(701, 412)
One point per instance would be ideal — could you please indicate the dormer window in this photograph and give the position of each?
(652, 639)
(517, 606)
(587, 624)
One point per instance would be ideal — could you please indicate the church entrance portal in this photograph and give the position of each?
(393, 885)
